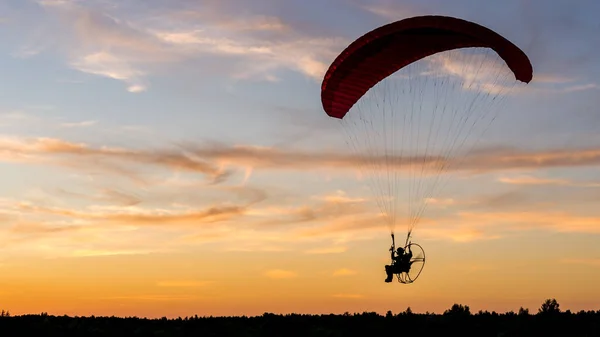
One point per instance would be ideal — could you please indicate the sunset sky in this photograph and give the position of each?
(172, 158)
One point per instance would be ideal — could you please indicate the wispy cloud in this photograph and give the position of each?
(111, 44)
(441, 202)
(559, 221)
(35, 151)
(532, 180)
(254, 227)
(140, 217)
(393, 10)
(79, 124)
(110, 196)
(14, 117)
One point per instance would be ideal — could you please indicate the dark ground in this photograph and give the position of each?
(456, 321)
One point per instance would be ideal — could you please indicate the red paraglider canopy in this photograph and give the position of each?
(385, 50)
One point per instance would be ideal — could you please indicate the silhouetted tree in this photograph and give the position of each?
(458, 310)
(550, 306)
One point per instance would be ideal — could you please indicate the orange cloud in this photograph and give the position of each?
(112, 159)
(211, 160)
(105, 195)
(38, 228)
(243, 227)
(328, 222)
(529, 180)
(145, 217)
(559, 221)
(479, 161)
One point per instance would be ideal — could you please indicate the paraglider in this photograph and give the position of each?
(414, 97)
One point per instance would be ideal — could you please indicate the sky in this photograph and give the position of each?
(172, 158)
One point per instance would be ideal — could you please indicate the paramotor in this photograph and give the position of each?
(414, 97)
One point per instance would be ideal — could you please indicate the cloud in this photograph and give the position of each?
(105, 41)
(549, 220)
(325, 210)
(17, 117)
(144, 217)
(514, 199)
(480, 160)
(482, 70)
(261, 58)
(392, 10)
(98, 43)
(119, 197)
(358, 224)
(111, 66)
(249, 226)
(440, 202)
(530, 180)
(218, 163)
(110, 159)
(469, 226)
(216, 17)
(324, 220)
(136, 88)
(105, 195)
(280, 274)
(79, 124)
(462, 225)
(340, 197)
(344, 272)
(245, 226)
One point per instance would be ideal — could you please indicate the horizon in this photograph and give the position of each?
(548, 308)
(161, 159)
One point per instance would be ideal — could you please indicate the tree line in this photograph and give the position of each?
(458, 320)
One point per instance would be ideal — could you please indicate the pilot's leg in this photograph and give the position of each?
(390, 275)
